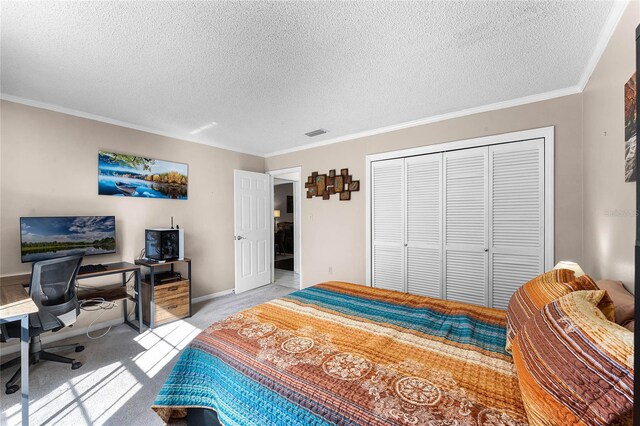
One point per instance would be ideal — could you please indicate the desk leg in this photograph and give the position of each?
(24, 366)
(138, 304)
(152, 302)
(190, 285)
(138, 285)
(124, 302)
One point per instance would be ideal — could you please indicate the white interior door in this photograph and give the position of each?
(253, 227)
(466, 244)
(516, 209)
(424, 225)
(387, 218)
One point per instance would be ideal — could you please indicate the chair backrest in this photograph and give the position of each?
(53, 289)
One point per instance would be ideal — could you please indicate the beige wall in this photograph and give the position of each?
(609, 202)
(333, 232)
(49, 167)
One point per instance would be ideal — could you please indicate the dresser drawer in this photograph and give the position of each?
(171, 290)
(171, 301)
(170, 311)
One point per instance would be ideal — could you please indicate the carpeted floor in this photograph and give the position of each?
(121, 373)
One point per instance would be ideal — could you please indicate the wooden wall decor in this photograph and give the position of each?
(326, 185)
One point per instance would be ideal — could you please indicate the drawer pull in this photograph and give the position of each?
(174, 288)
(172, 307)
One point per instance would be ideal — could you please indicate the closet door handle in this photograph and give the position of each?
(486, 250)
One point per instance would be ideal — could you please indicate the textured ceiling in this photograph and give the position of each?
(267, 72)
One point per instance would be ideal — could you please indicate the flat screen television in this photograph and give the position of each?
(43, 238)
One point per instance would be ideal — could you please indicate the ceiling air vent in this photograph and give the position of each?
(316, 132)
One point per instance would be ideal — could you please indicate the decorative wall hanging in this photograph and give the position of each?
(327, 185)
(132, 176)
(630, 130)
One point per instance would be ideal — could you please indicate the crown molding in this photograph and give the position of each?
(610, 26)
(434, 119)
(102, 119)
(422, 121)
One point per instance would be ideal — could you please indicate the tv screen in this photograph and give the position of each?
(44, 238)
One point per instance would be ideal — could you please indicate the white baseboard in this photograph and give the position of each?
(211, 296)
(13, 345)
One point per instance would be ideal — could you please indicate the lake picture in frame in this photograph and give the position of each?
(127, 175)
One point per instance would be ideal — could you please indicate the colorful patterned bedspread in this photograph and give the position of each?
(347, 354)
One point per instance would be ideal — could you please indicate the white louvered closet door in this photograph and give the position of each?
(516, 209)
(424, 225)
(465, 215)
(388, 227)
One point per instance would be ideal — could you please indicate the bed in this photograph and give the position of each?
(340, 353)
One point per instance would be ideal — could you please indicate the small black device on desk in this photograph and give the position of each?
(164, 277)
(89, 269)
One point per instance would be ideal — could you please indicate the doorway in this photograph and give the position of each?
(252, 229)
(286, 227)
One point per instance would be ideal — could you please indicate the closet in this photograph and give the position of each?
(460, 224)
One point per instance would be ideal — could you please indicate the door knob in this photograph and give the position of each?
(240, 237)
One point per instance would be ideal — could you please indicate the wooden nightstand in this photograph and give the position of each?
(166, 300)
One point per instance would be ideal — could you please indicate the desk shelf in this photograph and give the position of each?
(151, 264)
(109, 294)
(112, 292)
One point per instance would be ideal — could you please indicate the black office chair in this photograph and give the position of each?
(53, 290)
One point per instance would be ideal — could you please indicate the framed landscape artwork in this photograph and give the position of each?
(630, 130)
(127, 175)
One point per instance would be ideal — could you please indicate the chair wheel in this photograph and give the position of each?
(12, 389)
(75, 365)
(79, 348)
